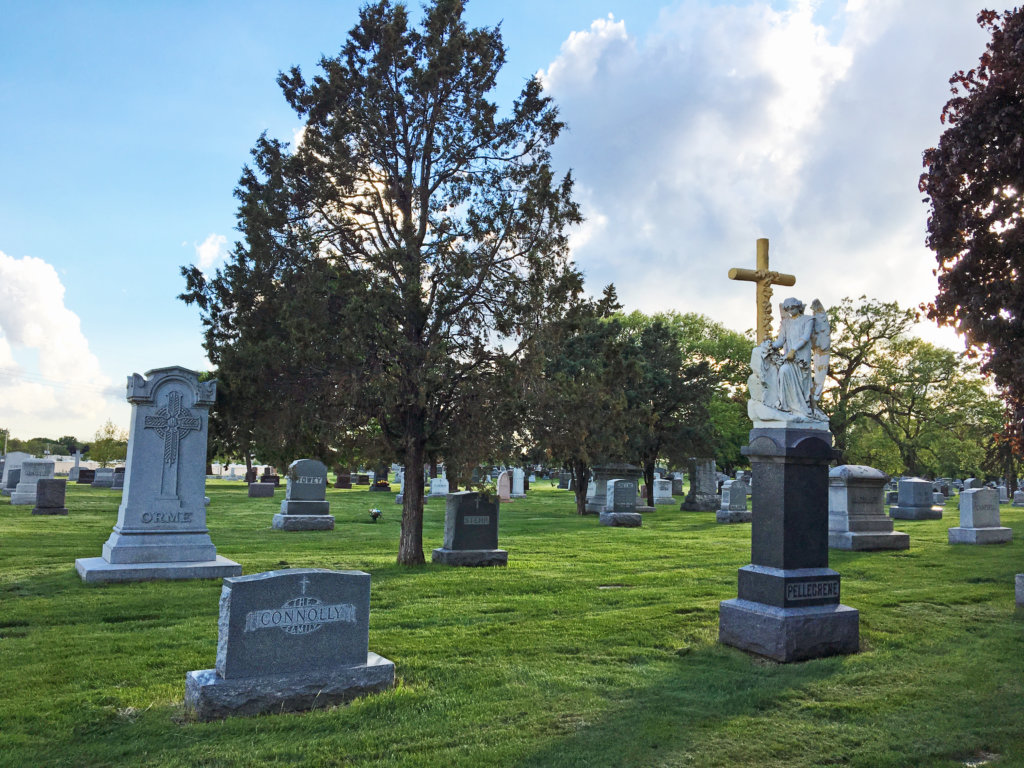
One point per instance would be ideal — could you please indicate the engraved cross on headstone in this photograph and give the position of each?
(764, 279)
(171, 423)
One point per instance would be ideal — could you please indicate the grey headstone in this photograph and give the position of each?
(306, 491)
(12, 461)
(438, 487)
(620, 505)
(504, 485)
(856, 513)
(703, 494)
(13, 477)
(518, 484)
(161, 528)
(1018, 498)
(289, 640)
(261, 490)
(979, 519)
(470, 531)
(915, 501)
(32, 471)
(734, 503)
(104, 478)
(50, 497)
(663, 492)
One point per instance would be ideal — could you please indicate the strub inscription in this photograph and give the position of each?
(811, 590)
(477, 520)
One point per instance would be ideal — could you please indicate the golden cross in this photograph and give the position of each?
(764, 279)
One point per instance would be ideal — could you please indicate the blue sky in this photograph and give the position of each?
(695, 127)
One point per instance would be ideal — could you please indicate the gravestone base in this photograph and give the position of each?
(789, 634)
(733, 516)
(865, 541)
(98, 570)
(261, 490)
(282, 522)
(50, 511)
(994, 535)
(663, 500)
(210, 697)
(381, 488)
(702, 502)
(915, 513)
(622, 519)
(469, 557)
(23, 496)
(644, 509)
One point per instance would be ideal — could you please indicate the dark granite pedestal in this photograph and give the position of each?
(787, 606)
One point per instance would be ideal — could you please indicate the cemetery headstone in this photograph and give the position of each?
(970, 483)
(938, 498)
(915, 501)
(85, 476)
(32, 471)
(13, 478)
(161, 528)
(438, 487)
(597, 501)
(343, 478)
(1004, 496)
(1019, 589)
(677, 486)
(1018, 498)
(271, 477)
(380, 480)
(305, 506)
(12, 461)
(104, 477)
(118, 480)
(856, 512)
(470, 531)
(979, 519)
(251, 476)
(703, 494)
(50, 497)
(73, 472)
(261, 490)
(504, 486)
(663, 492)
(734, 503)
(289, 641)
(563, 480)
(620, 505)
(518, 484)
(362, 479)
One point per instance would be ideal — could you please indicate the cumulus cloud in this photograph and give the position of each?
(211, 253)
(729, 123)
(59, 381)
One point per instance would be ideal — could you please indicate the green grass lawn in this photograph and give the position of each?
(594, 647)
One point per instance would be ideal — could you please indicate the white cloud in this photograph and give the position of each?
(59, 387)
(729, 123)
(211, 253)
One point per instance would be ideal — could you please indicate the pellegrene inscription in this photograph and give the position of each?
(811, 590)
(477, 519)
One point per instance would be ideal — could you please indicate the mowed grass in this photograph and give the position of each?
(594, 647)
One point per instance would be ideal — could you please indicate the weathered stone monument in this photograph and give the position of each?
(663, 492)
(470, 531)
(161, 528)
(50, 497)
(788, 605)
(504, 486)
(305, 506)
(620, 505)
(856, 510)
(261, 491)
(73, 472)
(597, 499)
(13, 478)
(118, 482)
(703, 493)
(734, 503)
(32, 471)
(85, 476)
(1018, 498)
(104, 478)
(915, 501)
(289, 641)
(12, 462)
(438, 488)
(518, 484)
(979, 519)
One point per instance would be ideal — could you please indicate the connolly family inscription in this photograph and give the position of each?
(161, 523)
(290, 640)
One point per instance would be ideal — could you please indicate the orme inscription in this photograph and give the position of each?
(167, 517)
(812, 590)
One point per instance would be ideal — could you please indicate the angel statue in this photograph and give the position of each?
(789, 372)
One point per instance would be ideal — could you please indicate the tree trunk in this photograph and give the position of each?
(649, 480)
(580, 472)
(410, 544)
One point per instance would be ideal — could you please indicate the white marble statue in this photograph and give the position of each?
(789, 372)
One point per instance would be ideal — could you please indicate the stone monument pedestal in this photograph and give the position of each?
(856, 511)
(787, 607)
(287, 522)
(470, 532)
(622, 519)
(915, 501)
(979, 519)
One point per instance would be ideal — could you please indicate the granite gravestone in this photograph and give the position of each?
(438, 488)
(289, 641)
(12, 461)
(305, 506)
(856, 511)
(161, 528)
(597, 499)
(344, 478)
(380, 481)
(620, 505)
(979, 519)
(261, 490)
(1018, 498)
(50, 497)
(470, 531)
(104, 477)
(915, 501)
(1004, 496)
(73, 472)
(13, 478)
(504, 486)
(118, 481)
(663, 492)
(703, 494)
(32, 471)
(518, 484)
(85, 476)
(734, 503)
(563, 481)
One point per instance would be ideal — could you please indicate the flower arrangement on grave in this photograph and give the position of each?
(375, 515)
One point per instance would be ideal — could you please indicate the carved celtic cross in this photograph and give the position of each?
(764, 279)
(171, 423)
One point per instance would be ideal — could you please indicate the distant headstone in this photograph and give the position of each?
(343, 478)
(703, 494)
(118, 481)
(563, 480)
(12, 461)
(856, 512)
(305, 506)
(13, 477)
(289, 641)
(104, 478)
(915, 501)
(438, 487)
(1004, 496)
(85, 476)
(362, 479)
(470, 531)
(620, 505)
(50, 497)
(518, 484)
(272, 478)
(1019, 590)
(73, 472)
(597, 502)
(261, 490)
(251, 476)
(663, 492)
(161, 523)
(979, 519)
(504, 485)
(734, 503)
(32, 471)
(677, 486)
(970, 483)
(380, 480)
(1018, 498)
(938, 498)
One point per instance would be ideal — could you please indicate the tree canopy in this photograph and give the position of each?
(399, 256)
